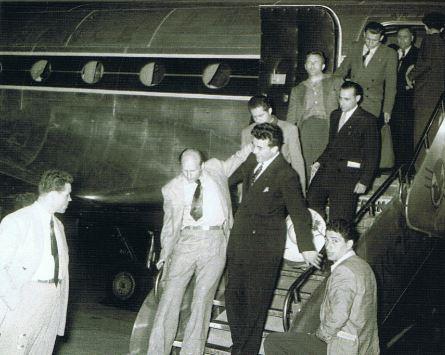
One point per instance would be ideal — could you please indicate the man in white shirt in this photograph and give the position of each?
(195, 232)
(347, 166)
(348, 314)
(34, 276)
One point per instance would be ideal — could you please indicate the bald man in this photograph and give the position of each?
(197, 220)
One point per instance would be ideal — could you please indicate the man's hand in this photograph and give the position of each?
(314, 169)
(359, 188)
(312, 257)
(409, 78)
(386, 117)
(160, 263)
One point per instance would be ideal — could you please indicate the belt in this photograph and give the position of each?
(347, 336)
(51, 281)
(203, 228)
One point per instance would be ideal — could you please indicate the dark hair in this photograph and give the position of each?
(319, 53)
(192, 150)
(259, 101)
(434, 20)
(353, 85)
(375, 28)
(54, 180)
(269, 131)
(344, 228)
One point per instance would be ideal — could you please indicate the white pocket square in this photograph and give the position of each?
(266, 189)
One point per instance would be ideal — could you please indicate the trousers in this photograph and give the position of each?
(201, 254)
(31, 328)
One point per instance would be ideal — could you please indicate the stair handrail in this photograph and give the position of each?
(398, 172)
(294, 291)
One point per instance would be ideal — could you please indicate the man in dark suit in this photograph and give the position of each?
(271, 190)
(429, 72)
(374, 67)
(403, 112)
(347, 166)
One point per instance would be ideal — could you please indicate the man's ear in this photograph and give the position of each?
(274, 149)
(323, 66)
(350, 244)
(269, 110)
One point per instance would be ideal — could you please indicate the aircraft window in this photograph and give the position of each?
(152, 74)
(92, 72)
(216, 76)
(41, 70)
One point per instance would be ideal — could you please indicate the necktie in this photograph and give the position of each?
(255, 174)
(364, 56)
(401, 58)
(196, 208)
(54, 251)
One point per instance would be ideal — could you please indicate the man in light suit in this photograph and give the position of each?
(261, 111)
(348, 314)
(34, 276)
(310, 105)
(374, 67)
(347, 167)
(197, 220)
(271, 191)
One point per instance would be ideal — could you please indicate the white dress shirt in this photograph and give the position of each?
(45, 270)
(212, 207)
(345, 116)
(370, 54)
(265, 164)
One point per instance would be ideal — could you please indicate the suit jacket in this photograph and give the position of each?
(378, 79)
(429, 72)
(358, 141)
(331, 88)
(291, 148)
(174, 204)
(350, 307)
(265, 205)
(21, 251)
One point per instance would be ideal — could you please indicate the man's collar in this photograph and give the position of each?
(43, 210)
(351, 111)
(366, 49)
(269, 161)
(406, 50)
(343, 258)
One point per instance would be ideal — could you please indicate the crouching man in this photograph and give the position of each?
(348, 315)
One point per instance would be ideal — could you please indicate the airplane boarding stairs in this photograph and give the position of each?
(219, 339)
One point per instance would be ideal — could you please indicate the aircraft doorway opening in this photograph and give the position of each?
(287, 34)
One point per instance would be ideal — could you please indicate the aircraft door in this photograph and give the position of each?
(287, 34)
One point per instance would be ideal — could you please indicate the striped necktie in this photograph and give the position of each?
(255, 174)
